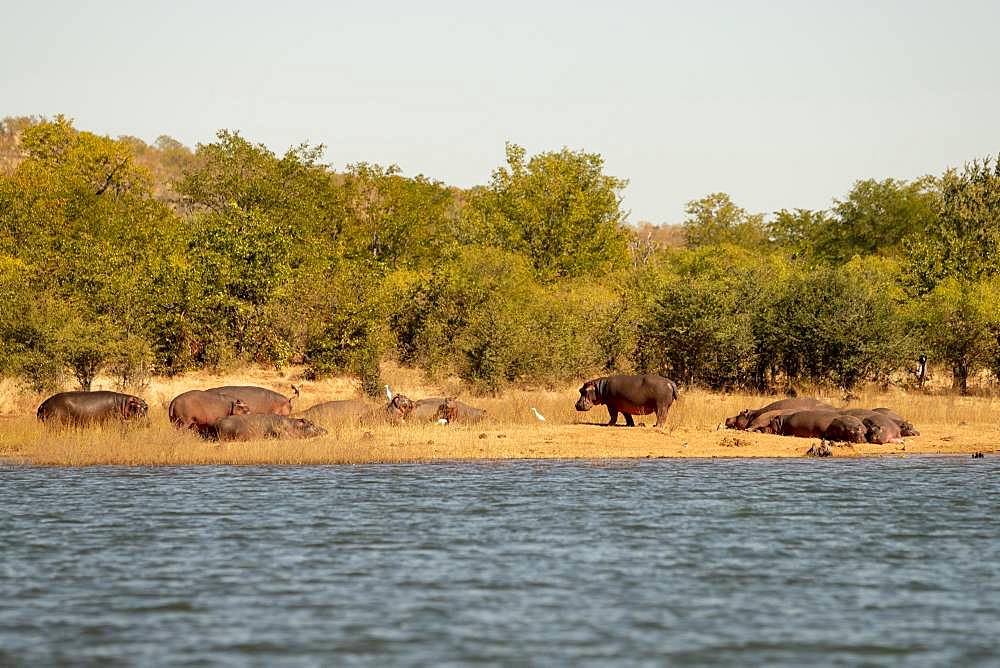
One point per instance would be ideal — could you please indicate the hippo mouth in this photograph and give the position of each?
(583, 405)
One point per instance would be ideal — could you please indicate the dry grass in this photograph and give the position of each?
(949, 424)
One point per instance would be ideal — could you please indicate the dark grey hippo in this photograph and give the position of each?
(631, 395)
(743, 419)
(830, 425)
(82, 408)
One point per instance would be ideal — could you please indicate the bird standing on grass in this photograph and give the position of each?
(388, 393)
(538, 416)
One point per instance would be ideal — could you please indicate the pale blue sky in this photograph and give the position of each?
(780, 104)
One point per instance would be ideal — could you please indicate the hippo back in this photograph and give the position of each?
(342, 410)
(258, 399)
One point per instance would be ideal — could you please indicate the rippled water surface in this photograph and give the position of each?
(792, 562)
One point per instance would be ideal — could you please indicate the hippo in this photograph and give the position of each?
(830, 425)
(265, 425)
(445, 408)
(82, 408)
(631, 395)
(397, 410)
(259, 399)
(880, 429)
(906, 427)
(746, 416)
(762, 423)
(343, 410)
(200, 410)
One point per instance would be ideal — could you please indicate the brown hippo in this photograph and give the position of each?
(445, 408)
(397, 410)
(762, 423)
(259, 399)
(631, 395)
(265, 425)
(746, 416)
(906, 427)
(879, 428)
(200, 410)
(830, 425)
(452, 410)
(343, 410)
(81, 408)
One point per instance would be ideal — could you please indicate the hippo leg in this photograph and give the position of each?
(661, 417)
(613, 412)
(628, 420)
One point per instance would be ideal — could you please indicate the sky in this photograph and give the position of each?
(781, 104)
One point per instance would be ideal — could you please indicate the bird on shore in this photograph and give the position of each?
(538, 416)
(388, 393)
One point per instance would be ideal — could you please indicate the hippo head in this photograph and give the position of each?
(304, 428)
(874, 433)
(448, 410)
(135, 408)
(847, 428)
(907, 429)
(239, 408)
(739, 421)
(588, 396)
(399, 407)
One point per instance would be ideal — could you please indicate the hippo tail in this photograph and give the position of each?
(673, 386)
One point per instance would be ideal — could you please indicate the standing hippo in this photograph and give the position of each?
(259, 399)
(906, 427)
(81, 408)
(631, 395)
(830, 425)
(200, 410)
(746, 416)
(265, 425)
(452, 410)
(880, 429)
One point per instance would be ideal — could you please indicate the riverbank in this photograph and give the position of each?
(948, 424)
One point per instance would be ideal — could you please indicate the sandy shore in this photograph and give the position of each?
(948, 424)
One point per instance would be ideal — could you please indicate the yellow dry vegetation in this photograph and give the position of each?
(949, 424)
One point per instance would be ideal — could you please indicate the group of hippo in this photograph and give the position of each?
(233, 413)
(241, 413)
(812, 418)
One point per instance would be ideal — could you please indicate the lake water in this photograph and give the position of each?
(704, 562)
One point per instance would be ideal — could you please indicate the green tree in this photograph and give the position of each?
(964, 241)
(715, 219)
(558, 208)
(876, 216)
(958, 321)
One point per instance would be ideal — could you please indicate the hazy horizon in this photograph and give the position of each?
(778, 104)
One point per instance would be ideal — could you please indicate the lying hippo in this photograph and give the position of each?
(906, 427)
(631, 395)
(81, 408)
(200, 410)
(259, 399)
(265, 425)
(342, 410)
(452, 410)
(762, 423)
(830, 425)
(398, 409)
(880, 429)
(445, 408)
(746, 416)
(352, 410)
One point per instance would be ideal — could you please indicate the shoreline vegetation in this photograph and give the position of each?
(949, 424)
